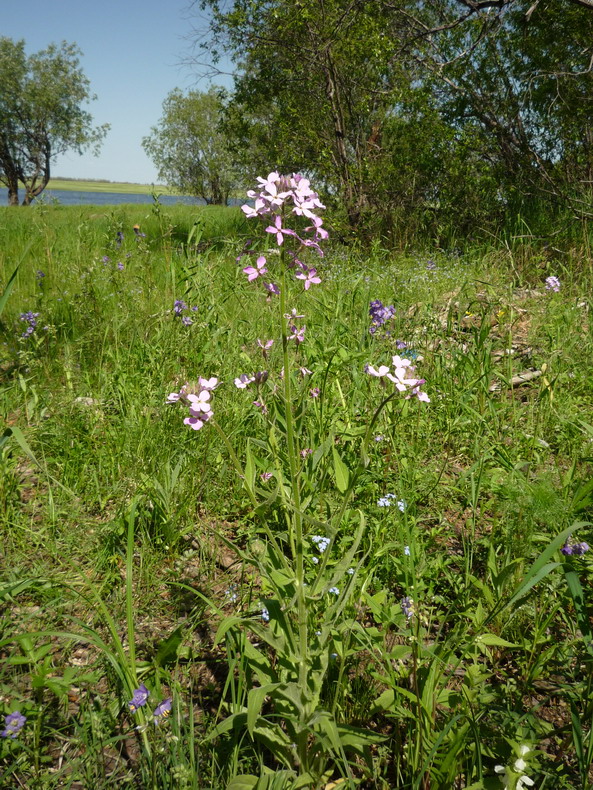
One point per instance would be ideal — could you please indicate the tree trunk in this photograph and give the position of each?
(13, 196)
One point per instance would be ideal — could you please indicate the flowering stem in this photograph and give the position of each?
(297, 521)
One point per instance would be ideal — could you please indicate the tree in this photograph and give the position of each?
(188, 147)
(41, 114)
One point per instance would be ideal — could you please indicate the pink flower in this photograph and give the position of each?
(297, 334)
(199, 403)
(243, 381)
(208, 384)
(279, 230)
(273, 289)
(382, 371)
(265, 346)
(199, 421)
(310, 278)
(253, 272)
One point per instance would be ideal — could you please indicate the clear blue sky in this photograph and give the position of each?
(132, 55)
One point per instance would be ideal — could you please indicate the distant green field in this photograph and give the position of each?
(106, 186)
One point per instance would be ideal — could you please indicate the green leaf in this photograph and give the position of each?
(255, 701)
(244, 782)
(341, 471)
(168, 649)
(10, 284)
(491, 640)
(578, 598)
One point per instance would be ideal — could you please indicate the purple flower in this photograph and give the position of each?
(400, 345)
(198, 422)
(310, 278)
(162, 711)
(179, 306)
(120, 266)
(273, 289)
(40, 275)
(265, 476)
(137, 232)
(315, 392)
(298, 335)
(243, 381)
(407, 605)
(106, 259)
(576, 549)
(186, 320)
(253, 272)
(552, 283)
(139, 698)
(261, 406)
(119, 237)
(334, 591)
(278, 230)
(13, 724)
(379, 314)
(431, 266)
(306, 451)
(31, 319)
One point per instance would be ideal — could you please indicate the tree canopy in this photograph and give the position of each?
(41, 114)
(190, 149)
(453, 111)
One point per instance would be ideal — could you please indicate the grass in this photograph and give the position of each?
(117, 520)
(92, 185)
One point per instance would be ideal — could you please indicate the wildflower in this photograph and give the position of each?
(310, 278)
(253, 272)
(293, 315)
(265, 346)
(305, 372)
(260, 377)
(106, 259)
(407, 551)
(40, 275)
(382, 370)
(137, 232)
(552, 283)
(379, 314)
(265, 476)
(298, 335)
(119, 237)
(261, 406)
(162, 711)
(334, 591)
(208, 384)
(186, 320)
(315, 392)
(306, 451)
(273, 289)
(13, 724)
(120, 266)
(400, 345)
(350, 571)
(139, 698)
(199, 403)
(31, 319)
(179, 306)
(577, 549)
(388, 500)
(278, 230)
(379, 438)
(197, 422)
(431, 266)
(321, 542)
(265, 615)
(315, 560)
(400, 377)
(407, 605)
(243, 381)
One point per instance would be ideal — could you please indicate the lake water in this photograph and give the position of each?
(74, 198)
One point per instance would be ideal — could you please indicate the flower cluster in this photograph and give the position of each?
(578, 549)
(179, 307)
(321, 542)
(399, 376)
(379, 314)
(389, 499)
(407, 605)
(197, 399)
(13, 724)
(31, 319)
(552, 283)
(280, 197)
(140, 698)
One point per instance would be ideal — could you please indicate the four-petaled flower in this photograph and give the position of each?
(253, 272)
(243, 381)
(552, 283)
(199, 403)
(309, 276)
(278, 230)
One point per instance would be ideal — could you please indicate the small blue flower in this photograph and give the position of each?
(139, 698)
(407, 551)
(13, 724)
(265, 615)
(334, 591)
(162, 711)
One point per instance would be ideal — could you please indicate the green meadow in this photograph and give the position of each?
(80, 185)
(335, 585)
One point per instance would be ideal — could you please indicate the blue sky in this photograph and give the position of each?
(132, 55)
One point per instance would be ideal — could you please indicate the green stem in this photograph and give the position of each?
(296, 535)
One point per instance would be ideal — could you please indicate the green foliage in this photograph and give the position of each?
(41, 114)
(189, 149)
(135, 550)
